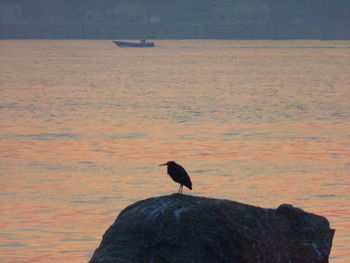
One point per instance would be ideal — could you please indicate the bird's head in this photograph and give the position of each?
(170, 163)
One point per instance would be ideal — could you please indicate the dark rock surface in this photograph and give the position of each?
(182, 228)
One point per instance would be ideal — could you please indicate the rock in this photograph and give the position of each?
(182, 228)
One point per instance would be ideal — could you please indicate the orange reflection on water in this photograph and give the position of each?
(84, 126)
(108, 149)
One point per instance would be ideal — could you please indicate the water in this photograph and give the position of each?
(84, 125)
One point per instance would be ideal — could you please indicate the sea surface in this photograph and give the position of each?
(85, 124)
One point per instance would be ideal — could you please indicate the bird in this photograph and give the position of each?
(178, 174)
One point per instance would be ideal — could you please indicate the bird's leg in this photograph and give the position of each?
(180, 189)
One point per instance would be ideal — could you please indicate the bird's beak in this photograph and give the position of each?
(162, 164)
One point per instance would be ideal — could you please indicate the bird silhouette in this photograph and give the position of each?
(178, 174)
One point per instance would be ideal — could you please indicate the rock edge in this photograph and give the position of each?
(183, 228)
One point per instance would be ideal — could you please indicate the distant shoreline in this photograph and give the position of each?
(166, 31)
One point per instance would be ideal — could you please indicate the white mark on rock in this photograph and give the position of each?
(158, 211)
(177, 213)
(314, 247)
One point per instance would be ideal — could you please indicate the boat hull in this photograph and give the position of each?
(131, 44)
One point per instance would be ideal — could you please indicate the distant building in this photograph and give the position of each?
(10, 14)
(124, 12)
(224, 15)
(154, 19)
(243, 13)
(127, 12)
(303, 17)
(250, 17)
(95, 17)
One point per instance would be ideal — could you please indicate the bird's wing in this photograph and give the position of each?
(185, 177)
(181, 170)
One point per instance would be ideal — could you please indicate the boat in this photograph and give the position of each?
(142, 43)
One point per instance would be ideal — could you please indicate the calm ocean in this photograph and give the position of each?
(84, 125)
